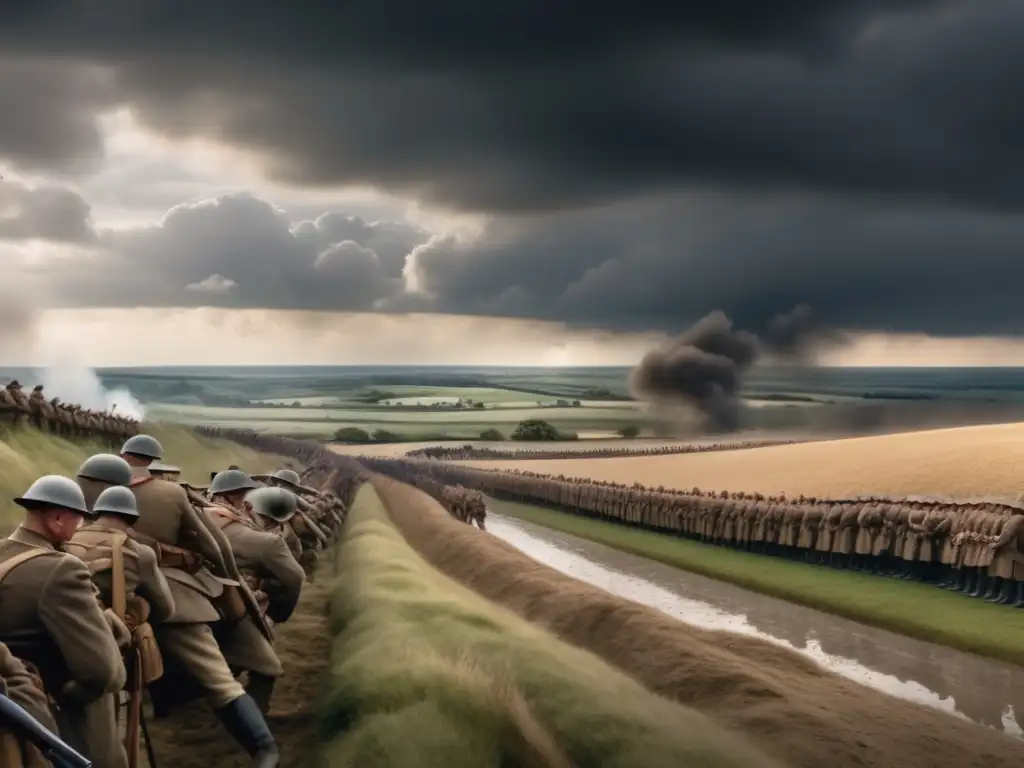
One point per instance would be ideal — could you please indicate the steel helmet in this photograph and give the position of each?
(106, 468)
(54, 491)
(231, 480)
(289, 476)
(276, 503)
(116, 501)
(144, 445)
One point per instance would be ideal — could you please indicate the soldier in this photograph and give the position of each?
(19, 402)
(1004, 549)
(52, 619)
(101, 471)
(246, 643)
(165, 471)
(167, 520)
(271, 572)
(131, 585)
(25, 689)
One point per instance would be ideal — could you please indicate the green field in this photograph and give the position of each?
(916, 610)
(410, 422)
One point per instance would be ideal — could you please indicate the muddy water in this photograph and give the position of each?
(987, 692)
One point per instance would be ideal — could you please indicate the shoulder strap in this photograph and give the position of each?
(24, 557)
(118, 587)
(137, 481)
(228, 516)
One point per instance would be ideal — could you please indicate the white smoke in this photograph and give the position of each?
(75, 383)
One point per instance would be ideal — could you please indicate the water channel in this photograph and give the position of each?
(987, 692)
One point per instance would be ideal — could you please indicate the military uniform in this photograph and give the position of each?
(168, 520)
(52, 618)
(273, 574)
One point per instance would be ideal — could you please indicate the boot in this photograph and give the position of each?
(261, 688)
(1018, 594)
(956, 581)
(981, 586)
(245, 723)
(1005, 595)
(995, 590)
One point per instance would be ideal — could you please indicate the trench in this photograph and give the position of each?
(971, 687)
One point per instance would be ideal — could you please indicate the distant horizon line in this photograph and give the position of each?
(464, 366)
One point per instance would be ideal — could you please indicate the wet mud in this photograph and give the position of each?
(788, 705)
(986, 692)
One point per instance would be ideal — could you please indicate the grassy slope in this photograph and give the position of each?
(428, 673)
(911, 609)
(26, 454)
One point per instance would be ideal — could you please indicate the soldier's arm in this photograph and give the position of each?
(157, 590)
(286, 570)
(22, 689)
(71, 613)
(1008, 534)
(943, 527)
(200, 528)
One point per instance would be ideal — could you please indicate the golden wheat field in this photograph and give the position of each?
(965, 462)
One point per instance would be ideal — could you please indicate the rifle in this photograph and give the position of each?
(52, 746)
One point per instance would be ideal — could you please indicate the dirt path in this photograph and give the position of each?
(194, 738)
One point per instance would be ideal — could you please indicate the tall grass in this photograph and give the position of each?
(427, 673)
(27, 453)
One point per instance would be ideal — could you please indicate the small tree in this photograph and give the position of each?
(479, 405)
(385, 436)
(352, 435)
(535, 430)
(631, 431)
(492, 435)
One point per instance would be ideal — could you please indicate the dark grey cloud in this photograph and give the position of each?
(523, 106)
(49, 107)
(239, 251)
(644, 163)
(43, 212)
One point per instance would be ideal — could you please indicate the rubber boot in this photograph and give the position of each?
(1018, 596)
(956, 583)
(994, 591)
(1005, 595)
(244, 721)
(261, 688)
(945, 576)
(981, 585)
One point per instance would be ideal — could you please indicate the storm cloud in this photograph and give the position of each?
(639, 165)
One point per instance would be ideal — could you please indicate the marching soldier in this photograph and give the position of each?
(53, 620)
(132, 586)
(168, 521)
(102, 471)
(266, 565)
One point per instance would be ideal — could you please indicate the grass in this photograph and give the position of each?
(26, 454)
(962, 462)
(915, 610)
(427, 673)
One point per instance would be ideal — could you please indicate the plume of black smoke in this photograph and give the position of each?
(705, 366)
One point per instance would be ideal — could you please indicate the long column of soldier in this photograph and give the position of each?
(66, 420)
(973, 548)
(121, 580)
(477, 453)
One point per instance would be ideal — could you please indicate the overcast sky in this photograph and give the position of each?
(533, 181)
